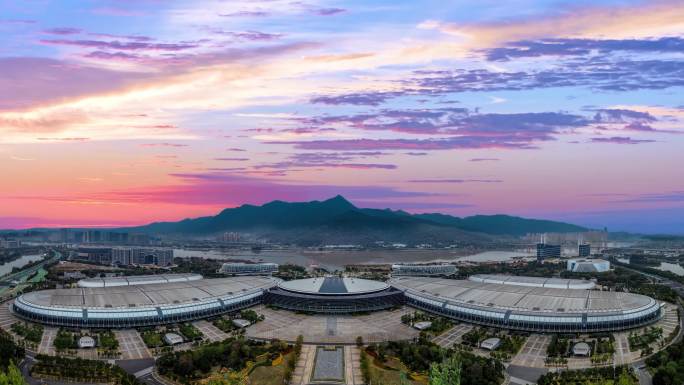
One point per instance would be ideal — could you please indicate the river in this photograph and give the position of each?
(664, 266)
(21, 262)
(335, 260)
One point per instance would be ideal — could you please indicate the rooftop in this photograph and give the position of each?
(522, 298)
(156, 294)
(137, 280)
(333, 286)
(519, 280)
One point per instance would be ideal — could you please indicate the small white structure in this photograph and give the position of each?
(588, 265)
(418, 270)
(236, 268)
(422, 325)
(86, 342)
(241, 323)
(172, 339)
(491, 343)
(581, 349)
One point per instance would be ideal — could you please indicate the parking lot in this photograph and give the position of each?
(131, 345)
(211, 332)
(452, 336)
(533, 352)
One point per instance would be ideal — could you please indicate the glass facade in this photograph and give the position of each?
(334, 304)
(591, 321)
(133, 317)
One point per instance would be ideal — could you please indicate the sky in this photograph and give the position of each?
(124, 112)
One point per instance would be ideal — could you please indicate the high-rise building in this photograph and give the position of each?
(92, 236)
(142, 256)
(230, 237)
(584, 249)
(545, 250)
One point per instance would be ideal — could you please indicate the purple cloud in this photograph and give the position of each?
(484, 160)
(29, 81)
(125, 37)
(457, 121)
(456, 181)
(232, 159)
(358, 99)
(248, 35)
(622, 116)
(621, 140)
(124, 46)
(577, 47)
(164, 144)
(672, 197)
(599, 73)
(329, 160)
(63, 31)
(329, 11)
(246, 14)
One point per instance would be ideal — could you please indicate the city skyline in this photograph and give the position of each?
(122, 113)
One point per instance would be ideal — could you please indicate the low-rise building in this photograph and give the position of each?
(491, 343)
(238, 268)
(588, 265)
(172, 339)
(241, 323)
(86, 342)
(581, 349)
(422, 325)
(411, 269)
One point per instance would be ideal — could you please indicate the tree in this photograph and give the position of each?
(12, 376)
(448, 372)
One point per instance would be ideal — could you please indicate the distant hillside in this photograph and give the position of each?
(336, 220)
(502, 224)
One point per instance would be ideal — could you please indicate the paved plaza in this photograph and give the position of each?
(533, 352)
(352, 365)
(211, 332)
(46, 345)
(339, 329)
(131, 345)
(304, 368)
(6, 316)
(452, 336)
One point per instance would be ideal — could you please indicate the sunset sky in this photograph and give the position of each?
(123, 112)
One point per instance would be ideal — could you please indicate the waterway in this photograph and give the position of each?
(335, 260)
(19, 263)
(664, 266)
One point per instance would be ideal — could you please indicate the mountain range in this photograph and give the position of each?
(336, 220)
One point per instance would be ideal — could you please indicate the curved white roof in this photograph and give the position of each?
(138, 280)
(523, 299)
(147, 296)
(519, 280)
(333, 286)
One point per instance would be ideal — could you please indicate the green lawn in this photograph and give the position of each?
(269, 375)
(39, 276)
(390, 373)
(152, 339)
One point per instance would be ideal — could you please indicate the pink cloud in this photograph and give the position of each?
(164, 144)
(620, 140)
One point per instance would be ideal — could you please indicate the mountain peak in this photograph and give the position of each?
(340, 201)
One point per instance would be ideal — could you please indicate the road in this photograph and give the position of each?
(6, 280)
(640, 366)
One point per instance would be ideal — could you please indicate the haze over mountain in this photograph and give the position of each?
(337, 220)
